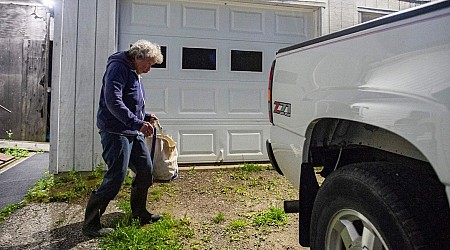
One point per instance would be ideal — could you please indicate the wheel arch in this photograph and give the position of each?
(333, 143)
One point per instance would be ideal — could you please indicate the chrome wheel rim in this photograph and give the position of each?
(349, 229)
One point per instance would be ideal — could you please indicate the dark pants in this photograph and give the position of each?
(119, 153)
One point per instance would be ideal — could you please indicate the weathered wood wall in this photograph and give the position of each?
(23, 72)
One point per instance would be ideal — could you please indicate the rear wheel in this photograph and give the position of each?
(380, 205)
(349, 229)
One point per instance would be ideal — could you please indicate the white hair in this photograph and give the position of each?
(144, 49)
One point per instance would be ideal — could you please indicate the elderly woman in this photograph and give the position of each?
(123, 123)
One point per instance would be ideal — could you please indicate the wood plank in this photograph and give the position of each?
(56, 79)
(15, 79)
(25, 105)
(384, 5)
(11, 81)
(106, 45)
(63, 100)
(335, 12)
(348, 14)
(5, 116)
(5, 157)
(18, 22)
(84, 106)
(22, 21)
(34, 94)
(5, 160)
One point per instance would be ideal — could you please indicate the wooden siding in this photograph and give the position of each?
(23, 72)
(85, 35)
(342, 14)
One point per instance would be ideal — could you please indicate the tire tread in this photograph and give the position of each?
(415, 199)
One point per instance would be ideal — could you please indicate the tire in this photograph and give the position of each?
(379, 205)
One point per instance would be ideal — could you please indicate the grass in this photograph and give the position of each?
(272, 217)
(65, 188)
(220, 217)
(164, 234)
(16, 152)
(237, 225)
(169, 232)
(9, 210)
(157, 193)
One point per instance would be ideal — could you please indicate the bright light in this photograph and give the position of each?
(48, 3)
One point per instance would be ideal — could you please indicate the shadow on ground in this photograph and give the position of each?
(65, 237)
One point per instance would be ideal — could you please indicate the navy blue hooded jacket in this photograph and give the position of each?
(122, 98)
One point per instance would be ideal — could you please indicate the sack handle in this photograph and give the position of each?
(159, 127)
(152, 152)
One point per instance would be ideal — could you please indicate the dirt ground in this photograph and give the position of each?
(198, 196)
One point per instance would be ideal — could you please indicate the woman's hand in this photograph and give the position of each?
(153, 118)
(147, 129)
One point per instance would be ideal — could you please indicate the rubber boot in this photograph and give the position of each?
(94, 210)
(138, 201)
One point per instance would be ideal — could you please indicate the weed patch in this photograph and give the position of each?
(272, 217)
(164, 234)
(6, 211)
(219, 218)
(234, 208)
(15, 151)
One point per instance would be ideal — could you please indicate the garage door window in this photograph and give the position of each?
(199, 58)
(163, 64)
(246, 60)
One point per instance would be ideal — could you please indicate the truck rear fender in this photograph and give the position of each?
(333, 143)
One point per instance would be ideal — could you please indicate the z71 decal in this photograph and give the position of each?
(282, 108)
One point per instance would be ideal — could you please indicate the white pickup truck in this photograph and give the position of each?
(367, 108)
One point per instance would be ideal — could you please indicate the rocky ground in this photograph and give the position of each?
(197, 196)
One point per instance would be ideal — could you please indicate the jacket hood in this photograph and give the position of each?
(120, 57)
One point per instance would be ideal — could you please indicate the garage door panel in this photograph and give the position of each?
(217, 111)
(198, 101)
(214, 21)
(247, 21)
(195, 142)
(245, 142)
(150, 15)
(226, 142)
(200, 18)
(245, 101)
(157, 102)
(291, 25)
(187, 100)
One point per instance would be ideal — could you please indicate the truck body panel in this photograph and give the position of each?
(378, 76)
(376, 95)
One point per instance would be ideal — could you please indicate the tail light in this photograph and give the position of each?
(269, 92)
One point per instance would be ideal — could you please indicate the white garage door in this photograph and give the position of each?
(211, 92)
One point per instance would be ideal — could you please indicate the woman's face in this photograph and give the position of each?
(143, 65)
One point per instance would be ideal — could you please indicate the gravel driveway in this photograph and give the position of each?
(196, 195)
